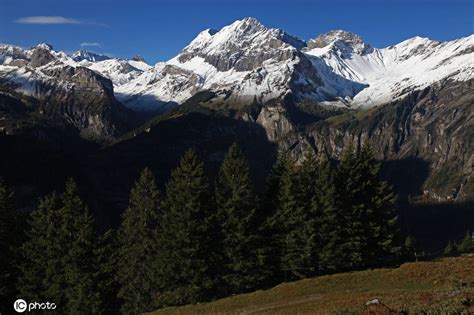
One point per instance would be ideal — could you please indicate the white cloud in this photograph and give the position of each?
(91, 44)
(47, 20)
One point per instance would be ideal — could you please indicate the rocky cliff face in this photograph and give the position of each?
(59, 94)
(426, 137)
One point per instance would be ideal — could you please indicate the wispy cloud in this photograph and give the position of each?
(47, 20)
(91, 44)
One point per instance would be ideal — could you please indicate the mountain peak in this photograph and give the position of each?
(248, 25)
(343, 41)
(242, 45)
(138, 58)
(249, 21)
(83, 54)
(44, 46)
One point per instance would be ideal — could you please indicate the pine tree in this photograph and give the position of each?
(410, 248)
(383, 233)
(368, 204)
(351, 224)
(451, 249)
(42, 275)
(8, 246)
(271, 229)
(309, 228)
(138, 246)
(59, 263)
(331, 231)
(107, 254)
(239, 220)
(466, 243)
(188, 236)
(289, 225)
(272, 187)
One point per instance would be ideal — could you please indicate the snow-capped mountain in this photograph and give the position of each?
(248, 61)
(26, 69)
(244, 61)
(82, 54)
(65, 91)
(392, 72)
(119, 71)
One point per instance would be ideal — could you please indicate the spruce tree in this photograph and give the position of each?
(59, 262)
(466, 243)
(42, 275)
(410, 248)
(138, 247)
(289, 226)
(451, 249)
(352, 207)
(80, 262)
(107, 253)
(310, 212)
(382, 230)
(332, 228)
(272, 187)
(8, 246)
(271, 229)
(368, 204)
(187, 236)
(239, 221)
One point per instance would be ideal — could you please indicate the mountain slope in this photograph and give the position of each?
(52, 87)
(416, 287)
(392, 72)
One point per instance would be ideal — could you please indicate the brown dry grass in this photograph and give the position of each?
(444, 286)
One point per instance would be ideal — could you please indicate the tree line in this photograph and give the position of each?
(195, 242)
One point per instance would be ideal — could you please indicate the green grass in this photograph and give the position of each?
(446, 285)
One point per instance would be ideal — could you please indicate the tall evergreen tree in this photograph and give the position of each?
(271, 229)
(42, 275)
(272, 187)
(59, 263)
(410, 249)
(289, 225)
(348, 185)
(8, 245)
(331, 228)
(240, 224)
(188, 236)
(466, 243)
(383, 231)
(368, 204)
(138, 246)
(107, 253)
(451, 249)
(310, 212)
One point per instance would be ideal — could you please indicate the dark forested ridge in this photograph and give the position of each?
(197, 238)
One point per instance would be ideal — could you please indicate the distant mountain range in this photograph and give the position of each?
(412, 101)
(246, 60)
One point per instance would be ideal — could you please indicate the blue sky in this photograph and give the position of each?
(158, 30)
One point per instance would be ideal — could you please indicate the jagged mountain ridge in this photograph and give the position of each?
(246, 61)
(83, 54)
(55, 88)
